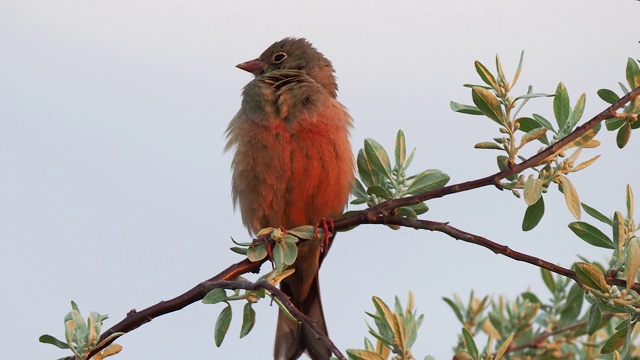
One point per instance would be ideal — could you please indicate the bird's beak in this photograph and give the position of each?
(253, 66)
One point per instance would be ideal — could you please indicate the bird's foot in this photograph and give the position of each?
(324, 245)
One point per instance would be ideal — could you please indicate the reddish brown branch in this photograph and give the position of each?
(136, 319)
(484, 242)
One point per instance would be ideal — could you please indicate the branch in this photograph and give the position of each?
(537, 342)
(135, 319)
(484, 242)
(360, 218)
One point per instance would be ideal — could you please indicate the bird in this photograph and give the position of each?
(292, 166)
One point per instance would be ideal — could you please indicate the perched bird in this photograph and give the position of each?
(292, 166)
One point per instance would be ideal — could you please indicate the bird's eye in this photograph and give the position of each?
(279, 57)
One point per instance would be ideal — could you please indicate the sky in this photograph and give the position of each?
(115, 191)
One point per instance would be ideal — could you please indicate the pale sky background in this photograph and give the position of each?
(114, 190)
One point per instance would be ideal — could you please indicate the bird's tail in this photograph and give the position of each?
(292, 339)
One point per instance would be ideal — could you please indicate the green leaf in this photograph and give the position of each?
(533, 215)
(455, 309)
(633, 73)
(572, 306)
(401, 149)
(517, 75)
(591, 234)
(532, 190)
(215, 296)
(248, 319)
(570, 196)
(596, 214)
(365, 169)
(608, 96)
(464, 109)
(543, 121)
(561, 106)
(377, 157)
(358, 191)
(488, 103)
(257, 252)
(533, 135)
(289, 251)
(379, 191)
(591, 276)
(488, 145)
(420, 208)
(239, 250)
(306, 232)
(623, 135)
(547, 277)
(48, 339)
(426, 181)
(222, 325)
(503, 348)
(486, 75)
(577, 112)
(615, 341)
(595, 318)
(614, 123)
(407, 212)
(469, 344)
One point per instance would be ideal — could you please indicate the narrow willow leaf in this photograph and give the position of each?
(377, 157)
(400, 150)
(533, 135)
(379, 191)
(591, 276)
(356, 354)
(517, 75)
(419, 209)
(613, 123)
(503, 348)
(584, 164)
(632, 262)
(543, 121)
(577, 112)
(591, 234)
(486, 75)
(488, 103)
(426, 181)
(248, 319)
(488, 145)
(596, 214)
(464, 109)
(358, 191)
(571, 308)
(561, 106)
(608, 96)
(548, 280)
(532, 190)
(306, 232)
(365, 169)
(623, 135)
(633, 73)
(629, 202)
(533, 96)
(618, 231)
(455, 308)
(570, 196)
(215, 296)
(222, 325)
(533, 215)
(469, 344)
(527, 124)
(239, 250)
(615, 341)
(595, 318)
(278, 256)
(409, 159)
(48, 339)
(501, 78)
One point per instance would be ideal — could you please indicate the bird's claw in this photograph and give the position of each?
(324, 244)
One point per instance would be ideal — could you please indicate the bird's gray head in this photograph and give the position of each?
(294, 54)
